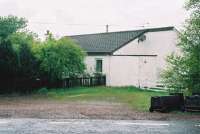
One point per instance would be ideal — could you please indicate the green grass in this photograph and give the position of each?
(133, 97)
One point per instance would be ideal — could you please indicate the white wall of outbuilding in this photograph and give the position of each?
(137, 63)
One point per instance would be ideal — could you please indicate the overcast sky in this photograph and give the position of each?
(69, 17)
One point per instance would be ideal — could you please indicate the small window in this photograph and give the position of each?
(99, 66)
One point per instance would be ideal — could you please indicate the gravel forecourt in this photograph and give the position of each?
(25, 107)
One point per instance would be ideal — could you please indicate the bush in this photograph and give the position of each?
(24, 58)
(43, 91)
(183, 70)
(60, 58)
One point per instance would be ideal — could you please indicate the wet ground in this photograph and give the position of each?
(82, 126)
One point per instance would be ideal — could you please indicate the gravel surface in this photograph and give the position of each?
(24, 107)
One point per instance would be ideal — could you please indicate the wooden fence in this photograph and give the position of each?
(84, 81)
(76, 82)
(25, 85)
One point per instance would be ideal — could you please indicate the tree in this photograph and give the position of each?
(183, 70)
(24, 58)
(10, 25)
(60, 58)
(16, 58)
(23, 43)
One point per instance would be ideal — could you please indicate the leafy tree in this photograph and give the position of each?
(8, 58)
(23, 57)
(10, 25)
(22, 43)
(16, 57)
(60, 58)
(183, 70)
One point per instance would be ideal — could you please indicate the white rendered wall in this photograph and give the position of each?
(133, 71)
(90, 62)
(143, 71)
(159, 44)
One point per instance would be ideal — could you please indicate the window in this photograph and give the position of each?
(99, 65)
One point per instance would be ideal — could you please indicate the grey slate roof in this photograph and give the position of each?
(109, 42)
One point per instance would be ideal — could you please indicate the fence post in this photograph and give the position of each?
(91, 82)
(104, 81)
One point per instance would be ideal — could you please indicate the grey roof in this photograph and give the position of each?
(109, 42)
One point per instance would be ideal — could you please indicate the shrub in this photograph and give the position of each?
(43, 91)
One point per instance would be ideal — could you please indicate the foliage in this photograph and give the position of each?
(183, 70)
(193, 4)
(43, 91)
(8, 58)
(10, 25)
(24, 58)
(60, 58)
(27, 63)
(16, 58)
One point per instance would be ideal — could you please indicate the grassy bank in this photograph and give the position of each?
(131, 96)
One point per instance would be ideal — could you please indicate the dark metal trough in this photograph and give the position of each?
(167, 103)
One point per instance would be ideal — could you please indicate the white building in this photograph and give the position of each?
(129, 58)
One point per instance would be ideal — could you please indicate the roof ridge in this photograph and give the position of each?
(112, 41)
(145, 29)
(107, 33)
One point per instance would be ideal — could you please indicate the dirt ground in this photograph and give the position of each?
(25, 107)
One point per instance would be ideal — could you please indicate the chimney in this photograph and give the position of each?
(107, 28)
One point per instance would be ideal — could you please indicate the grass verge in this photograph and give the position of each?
(135, 98)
